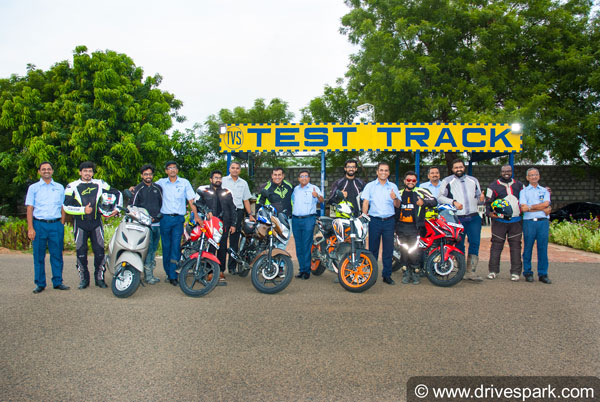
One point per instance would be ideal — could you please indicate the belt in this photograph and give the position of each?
(47, 220)
(304, 216)
(381, 219)
(537, 219)
(174, 214)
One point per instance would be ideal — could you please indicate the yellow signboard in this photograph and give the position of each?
(396, 137)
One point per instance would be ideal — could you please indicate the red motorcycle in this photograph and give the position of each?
(445, 264)
(199, 269)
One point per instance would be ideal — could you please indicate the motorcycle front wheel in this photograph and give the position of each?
(197, 283)
(126, 283)
(445, 273)
(360, 276)
(316, 265)
(274, 275)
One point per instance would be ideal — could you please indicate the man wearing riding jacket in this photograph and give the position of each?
(219, 200)
(410, 219)
(148, 195)
(350, 185)
(82, 199)
(279, 192)
(464, 193)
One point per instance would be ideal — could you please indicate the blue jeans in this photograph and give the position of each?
(303, 236)
(382, 231)
(171, 230)
(152, 247)
(472, 226)
(532, 232)
(51, 235)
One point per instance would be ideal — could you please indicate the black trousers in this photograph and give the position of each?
(234, 239)
(96, 235)
(500, 232)
(408, 235)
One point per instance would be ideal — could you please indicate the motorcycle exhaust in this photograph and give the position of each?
(234, 255)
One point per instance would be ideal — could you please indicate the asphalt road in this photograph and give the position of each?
(314, 341)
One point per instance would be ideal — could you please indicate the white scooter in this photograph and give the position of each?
(127, 250)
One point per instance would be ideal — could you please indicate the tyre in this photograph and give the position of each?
(360, 278)
(316, 266)
(198, 282)
(272, 276)
(126, 283)
(447, 273)
(396, 260)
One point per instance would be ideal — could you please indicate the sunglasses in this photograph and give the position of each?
(410, 180)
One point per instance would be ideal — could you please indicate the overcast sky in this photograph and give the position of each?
(211, 54)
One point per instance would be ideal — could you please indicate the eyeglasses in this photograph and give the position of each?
(410, 180)
(172, 168)
(303, 176)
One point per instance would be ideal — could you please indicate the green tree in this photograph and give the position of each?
(99, 107)
(446, 61)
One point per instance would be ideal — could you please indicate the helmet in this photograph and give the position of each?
(502, 208)
(344, 210)
(107, 204)
(430, 213)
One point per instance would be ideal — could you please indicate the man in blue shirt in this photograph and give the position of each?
(176, 190)
(380, 197)
(434, 184)
(535, 200)
(45, 221)
(304, 216)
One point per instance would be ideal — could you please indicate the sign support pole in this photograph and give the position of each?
(323, 181)
(418, 166)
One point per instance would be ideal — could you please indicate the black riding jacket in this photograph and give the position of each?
(220, 203)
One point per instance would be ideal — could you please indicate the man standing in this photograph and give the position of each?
(241, 198)
(45, 221)
(379, 199)
(279, 192)
(410, 221)
(464, 193)
(304, 217)
(219, 200)
(83, 199)
(433, 185)
(148, 195)
(505, 226)
(176, 190)
(350, 185)
(535, 203)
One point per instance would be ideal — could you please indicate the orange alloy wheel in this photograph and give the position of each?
(314, 264)
(352, 277)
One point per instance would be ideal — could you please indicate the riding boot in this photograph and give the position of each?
(414, 269)
(149, 277)
(472, 261)
(406, 275)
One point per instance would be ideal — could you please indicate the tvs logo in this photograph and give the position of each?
(234, 138)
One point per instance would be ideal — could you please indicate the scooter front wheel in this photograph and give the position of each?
(198, 282)
(126, 283)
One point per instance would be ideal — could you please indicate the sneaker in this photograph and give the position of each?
(152, 280)
(514, 277)
(406, 277)
(415, 278)
(492, 275)
(529, 278)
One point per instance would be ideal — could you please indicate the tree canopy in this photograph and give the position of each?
(97, 107)
(533, 61)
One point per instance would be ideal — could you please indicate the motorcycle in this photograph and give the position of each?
(262, 252)
(339, 245)
(445, 264)
(198, 268)
(127, 251)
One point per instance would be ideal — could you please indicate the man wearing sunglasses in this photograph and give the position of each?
(410, 219)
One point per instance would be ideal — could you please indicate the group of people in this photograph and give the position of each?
(390, 210)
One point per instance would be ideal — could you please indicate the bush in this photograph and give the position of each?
(582, 235)
(13, 234)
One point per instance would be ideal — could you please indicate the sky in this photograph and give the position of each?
(211, 54)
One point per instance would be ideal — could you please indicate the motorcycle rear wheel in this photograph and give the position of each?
(272, 276)
(198, 283)
(316, 266)
(447, 273)
(360, 278)
(126, 283)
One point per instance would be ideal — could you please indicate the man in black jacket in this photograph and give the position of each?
(148, 195)
(410, 219)
(350, 185)
(220, 203)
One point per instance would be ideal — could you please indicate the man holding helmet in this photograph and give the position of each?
(87, 199)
